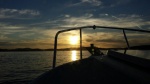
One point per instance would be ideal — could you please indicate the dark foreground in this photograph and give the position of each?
(96, 71)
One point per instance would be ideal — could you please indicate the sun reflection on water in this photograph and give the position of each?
(74, 55)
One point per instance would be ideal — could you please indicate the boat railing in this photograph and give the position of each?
(92, 27)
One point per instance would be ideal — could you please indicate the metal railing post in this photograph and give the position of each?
(80, 43)
(126, 38)
(126, 41)
(125, 51)
(55, 50)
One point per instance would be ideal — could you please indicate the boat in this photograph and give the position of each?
(113, 67)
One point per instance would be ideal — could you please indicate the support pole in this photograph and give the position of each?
(55, 51)
(126, 41)
(80, 43)
(125, 51)
(126, 38)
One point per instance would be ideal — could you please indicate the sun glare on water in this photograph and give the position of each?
(73, 40)
(74, 55)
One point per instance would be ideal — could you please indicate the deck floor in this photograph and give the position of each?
(89, 70)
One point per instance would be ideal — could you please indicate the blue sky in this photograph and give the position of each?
(33, 23)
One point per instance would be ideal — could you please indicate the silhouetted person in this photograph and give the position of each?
(95, 51)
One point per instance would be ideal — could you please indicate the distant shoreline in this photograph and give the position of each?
(69, 49)
(63, 49)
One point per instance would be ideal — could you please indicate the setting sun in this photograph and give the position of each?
(73, 40)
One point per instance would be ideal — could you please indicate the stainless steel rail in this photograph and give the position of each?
(94, 27)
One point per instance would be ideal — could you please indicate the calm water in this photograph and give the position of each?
(22, 67)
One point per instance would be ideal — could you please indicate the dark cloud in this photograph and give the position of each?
(111, 40)
(15, 13)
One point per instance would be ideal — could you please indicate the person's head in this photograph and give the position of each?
(92, 45)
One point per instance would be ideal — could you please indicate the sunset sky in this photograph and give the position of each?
(33, 23)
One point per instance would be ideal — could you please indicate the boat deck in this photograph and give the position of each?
(95, 70)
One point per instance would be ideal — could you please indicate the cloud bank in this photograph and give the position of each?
(13, 13)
